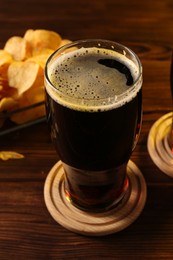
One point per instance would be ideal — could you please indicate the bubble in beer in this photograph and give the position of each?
(92, 74)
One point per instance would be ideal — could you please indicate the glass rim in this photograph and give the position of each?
(114, 98)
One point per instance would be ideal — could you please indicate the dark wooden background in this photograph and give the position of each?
(27, 231)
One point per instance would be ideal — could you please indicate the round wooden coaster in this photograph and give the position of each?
(158, 146)
(94, 224)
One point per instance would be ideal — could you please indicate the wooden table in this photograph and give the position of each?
(27, 231)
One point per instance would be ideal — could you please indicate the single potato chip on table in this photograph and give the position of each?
(6, 155)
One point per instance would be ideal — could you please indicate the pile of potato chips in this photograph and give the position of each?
(22, 62)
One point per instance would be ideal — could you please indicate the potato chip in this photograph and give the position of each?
(5, 90)
(6, 155)
(5, 60)
(22, 63)
(18, 47)
(43, 39)
(29, 114)
(31, 97)
(22, 75)
(41, 59)
(7, 103)
(44, 51)
(3, 83)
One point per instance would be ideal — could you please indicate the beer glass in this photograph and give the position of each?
(94, 107)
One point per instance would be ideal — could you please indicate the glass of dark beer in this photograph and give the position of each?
(94, 107)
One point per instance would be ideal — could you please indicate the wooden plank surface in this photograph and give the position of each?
(27, 231)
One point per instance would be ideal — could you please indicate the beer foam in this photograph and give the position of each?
(80, 82)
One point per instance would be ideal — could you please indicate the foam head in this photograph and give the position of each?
(92, 79)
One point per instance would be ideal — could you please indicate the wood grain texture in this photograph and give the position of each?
(27, 231)
(158, 144)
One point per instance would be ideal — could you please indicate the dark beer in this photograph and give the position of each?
(94, 112)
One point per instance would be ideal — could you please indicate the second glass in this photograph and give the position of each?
(94, 108)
